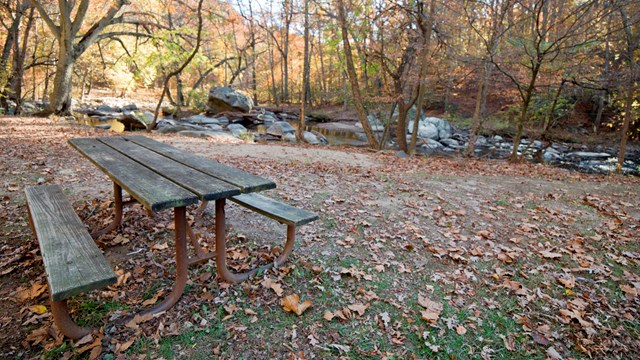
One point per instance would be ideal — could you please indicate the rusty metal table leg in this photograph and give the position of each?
(117, 220)
(180, 216)
(221, 249)
(64, 322)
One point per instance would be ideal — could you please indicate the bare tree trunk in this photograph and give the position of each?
(632, 45)
(177, 71)
(475, 123)
(306, 74)
(426, 25)
(353, 77)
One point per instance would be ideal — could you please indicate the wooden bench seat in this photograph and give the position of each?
(73, 262)
(283, 213)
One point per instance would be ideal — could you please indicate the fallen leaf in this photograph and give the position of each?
(553, 354)
(433, 309)
(31, 293)
(38, 309)
(550, 255)
(153, 299)
(273, 285)
(292, 303)
(359, 308)
(162, 246)
(630, 291)
(461, 330)
(138, 319)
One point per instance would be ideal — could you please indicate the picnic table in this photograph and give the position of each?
(160, 177)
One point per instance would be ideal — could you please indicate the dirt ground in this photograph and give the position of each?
(419, 257)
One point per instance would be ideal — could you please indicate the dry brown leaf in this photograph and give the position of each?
(273, 285)
(31, 293)
(138, 319)
(292, 303)
(162, 246)
(433, 309)
(553, 354)
(359, 308)
(153, 299)
(461, 330)
(568, 281)
(328, 315)
(550, 255)
(630, 291)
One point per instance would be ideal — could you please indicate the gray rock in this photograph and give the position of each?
(589, 155)
(171, 129)
(431, 144)
(401, 154)
(108, 109)
(281, 128)
(310, 138)
(130, 107)
(497, 138)
(444, 128)
(197, 133)
(137, 118)
(537, 144)
(222, 120)
(237, 130)
(290, 137)
(551, 154)
(425, 131)
(450, 142)
(202, 120)
(213, 127)
(224, 98)
(481, 140)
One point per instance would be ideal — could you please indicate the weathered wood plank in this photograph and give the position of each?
(151, 190)
(245, 181)
(274, 209)
(73, 262)
(205, 186)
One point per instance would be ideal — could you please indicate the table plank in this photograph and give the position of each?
(151, 190)
(245, 181)
(205, 186)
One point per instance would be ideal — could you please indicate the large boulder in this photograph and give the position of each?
(238, 131)
(280, 128)
(425, 130)
(224, 98)
(444, 128)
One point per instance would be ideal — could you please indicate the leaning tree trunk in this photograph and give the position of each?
(60, 97)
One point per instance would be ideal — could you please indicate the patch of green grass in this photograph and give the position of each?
(329, 223)
(94, 312)
(56, 352)
(501, 202)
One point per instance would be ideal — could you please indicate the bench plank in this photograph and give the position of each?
(73, 262)
(205, 186)
(274, 209)
(245, 181)
(153, 191)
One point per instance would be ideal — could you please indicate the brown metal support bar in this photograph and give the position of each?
(62, 319)
(182, 263)
(197, 215)
(117, 220)
(221, 249)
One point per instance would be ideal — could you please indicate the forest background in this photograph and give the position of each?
(532, 66)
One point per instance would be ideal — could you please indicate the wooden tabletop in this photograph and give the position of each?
(161, 176)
